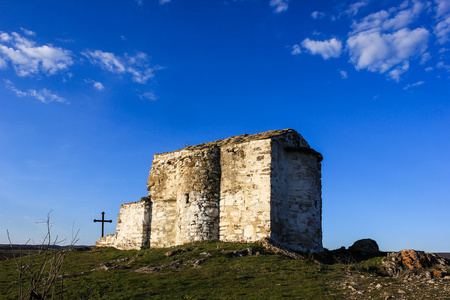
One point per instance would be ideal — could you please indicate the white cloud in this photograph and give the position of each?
(327, 49)
(354, 8)
(3, 64)
(98, 85)
(404, 17)
(425, 57)
(296, 50)
(393, 19)
(343, 74)
(43, 95)
(399, 70)
(442, 28)
(65, 40)
(279, 5)
(374, 20)
(28, 32)
(137, 66)
(139, 2)
(9, 85)
(413, 85)
(28, 59)
(442, 65)
(46, 96)
(442, 7)
(387, 41)
(317, 15)
(161, 2)
(4, 37)
(149, 96)
(429, 69)
(383, 41)
(378, 52)
(107, 61)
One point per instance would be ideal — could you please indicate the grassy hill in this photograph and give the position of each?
(217, 270)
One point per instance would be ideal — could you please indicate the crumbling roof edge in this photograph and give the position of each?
(238, 139)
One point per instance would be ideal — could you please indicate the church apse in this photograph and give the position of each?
(240, 189)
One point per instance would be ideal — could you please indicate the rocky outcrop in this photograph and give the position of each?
(415, 264)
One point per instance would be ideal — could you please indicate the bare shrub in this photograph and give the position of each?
(40, 275)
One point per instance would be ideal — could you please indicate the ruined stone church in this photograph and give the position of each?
(239, 189)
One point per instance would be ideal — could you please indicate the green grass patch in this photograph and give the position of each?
(222, 275)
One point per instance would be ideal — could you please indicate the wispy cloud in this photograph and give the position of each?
(442, 65)
(398, 70)
(43, 95)
(148, 96)
(354, 8)
(392, 19)
(98, 85)
(317, 15)
(29, 59)
(425, 57)
(279, 5)
(413, 85)
(9, 85)
(296, 50)
(442, 28)
(161, 2)
(137, 66)
(3, 64)
(28, 32)
(106, 60)
(327, 49)
(343, 74)
(442, 7)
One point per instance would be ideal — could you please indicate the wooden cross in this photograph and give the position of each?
(103, 222)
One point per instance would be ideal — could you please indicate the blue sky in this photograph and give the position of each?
(91, 90)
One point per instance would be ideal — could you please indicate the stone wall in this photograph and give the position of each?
(296, 206)
(184, 188)
(162, 184)
(133, 225)
(132, 229)
(245, 191)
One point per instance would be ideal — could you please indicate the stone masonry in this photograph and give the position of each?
(240, 189)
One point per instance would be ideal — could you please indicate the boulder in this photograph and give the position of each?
(365, 247)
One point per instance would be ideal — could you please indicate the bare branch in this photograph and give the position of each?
(39, 278)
